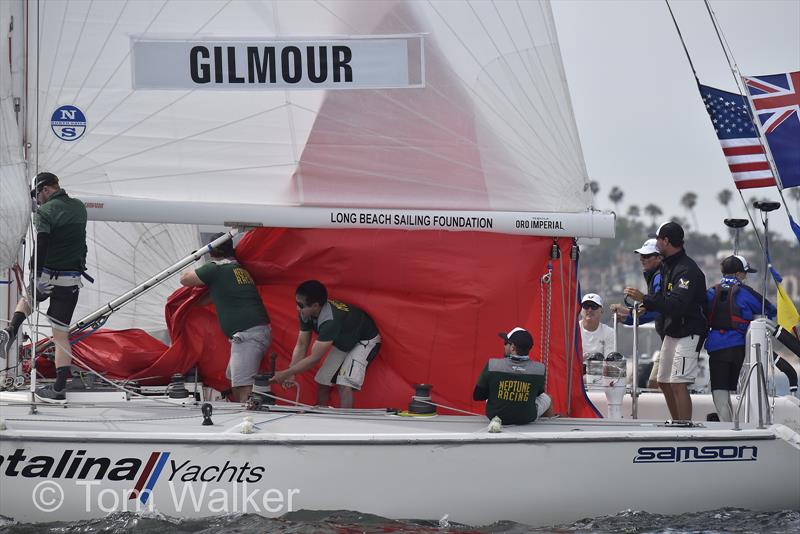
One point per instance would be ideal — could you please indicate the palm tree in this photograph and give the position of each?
(616, 196)
(689, 201)
(794, 194)
(633, 211)
(653, 211)
(724, 198)
(594, 187)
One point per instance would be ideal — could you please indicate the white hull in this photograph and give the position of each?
(651, 405)
(550, 472)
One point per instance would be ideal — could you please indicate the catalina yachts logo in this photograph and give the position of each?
(68, 123)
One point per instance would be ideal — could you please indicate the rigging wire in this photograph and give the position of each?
(694, 73)
(737, 77)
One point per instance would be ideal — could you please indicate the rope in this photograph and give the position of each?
(546, 289)
(445, 407)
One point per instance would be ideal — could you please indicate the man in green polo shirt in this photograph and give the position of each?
(348, 332)
(240, 312)
(513, 386)
(60, 264)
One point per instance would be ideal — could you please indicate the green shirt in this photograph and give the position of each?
(510, 387)
(341, 323)
(239, 306)
(64, 218)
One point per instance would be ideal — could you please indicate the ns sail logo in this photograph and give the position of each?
(68, 123)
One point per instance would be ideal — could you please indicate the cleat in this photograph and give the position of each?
(51, 395)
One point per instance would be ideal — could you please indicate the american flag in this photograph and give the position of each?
(743, 150)
(776, 100)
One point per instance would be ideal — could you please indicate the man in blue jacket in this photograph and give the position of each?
(650, 258)
(731, 306)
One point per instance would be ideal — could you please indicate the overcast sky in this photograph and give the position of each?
(642, 123)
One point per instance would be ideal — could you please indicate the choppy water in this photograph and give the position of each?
(723, 521)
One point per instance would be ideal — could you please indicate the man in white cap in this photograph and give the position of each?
(650, 258)
(596, 337)
(513, 386)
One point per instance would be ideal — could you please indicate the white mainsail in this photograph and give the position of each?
(15, 202)
(488, 127)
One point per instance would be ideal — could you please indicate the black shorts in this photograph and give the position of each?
(63, 300)
(725, 366)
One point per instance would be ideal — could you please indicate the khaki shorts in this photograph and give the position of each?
(678, 360)
(348, 368)
(247, 350)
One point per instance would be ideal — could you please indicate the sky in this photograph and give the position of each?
(642, 124)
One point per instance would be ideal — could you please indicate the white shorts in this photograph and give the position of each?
(247, 350)
(347, 368)
(678, 360)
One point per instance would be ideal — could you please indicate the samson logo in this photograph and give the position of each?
(722, 453)
(76, 465)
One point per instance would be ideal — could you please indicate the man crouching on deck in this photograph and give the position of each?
(514, 385)
(348, 332)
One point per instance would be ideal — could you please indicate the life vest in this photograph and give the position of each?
(725, 314)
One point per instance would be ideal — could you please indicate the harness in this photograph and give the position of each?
(69, 277)
(729, 315)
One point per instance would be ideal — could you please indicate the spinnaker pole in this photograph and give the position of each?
(102, 313)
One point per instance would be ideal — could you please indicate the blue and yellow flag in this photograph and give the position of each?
(788, 317)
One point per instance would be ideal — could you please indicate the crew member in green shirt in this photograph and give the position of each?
(513, 386)
(348, 332)
(240, 312)
(60, 262)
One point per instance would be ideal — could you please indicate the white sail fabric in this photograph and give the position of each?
(15, 201)
(491, 130)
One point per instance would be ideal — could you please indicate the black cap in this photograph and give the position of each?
(736, 264)
(43, 179)
(520, 338)
(672, 231)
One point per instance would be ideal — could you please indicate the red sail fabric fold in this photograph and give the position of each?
(439, 299)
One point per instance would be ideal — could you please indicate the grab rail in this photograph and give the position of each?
(762, 383)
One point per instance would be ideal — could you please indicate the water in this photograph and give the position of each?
(723, 521)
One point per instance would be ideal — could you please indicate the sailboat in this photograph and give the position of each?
(433, 175)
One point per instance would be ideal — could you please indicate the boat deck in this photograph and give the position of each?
(167, 421)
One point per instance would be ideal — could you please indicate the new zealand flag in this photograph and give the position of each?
(776, 101)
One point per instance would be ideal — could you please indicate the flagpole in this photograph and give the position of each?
(737, 78)
(697, 80)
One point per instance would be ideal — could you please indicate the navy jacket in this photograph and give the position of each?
(682, 299)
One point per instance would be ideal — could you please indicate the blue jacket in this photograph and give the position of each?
(653, 279)
(748, 300)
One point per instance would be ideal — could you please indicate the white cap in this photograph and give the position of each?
(649, 247)
(745, 266)
(592, 297)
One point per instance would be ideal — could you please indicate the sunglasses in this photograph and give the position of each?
(590, 306)
(648, 256)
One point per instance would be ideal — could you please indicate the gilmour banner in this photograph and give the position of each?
(376, 62)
